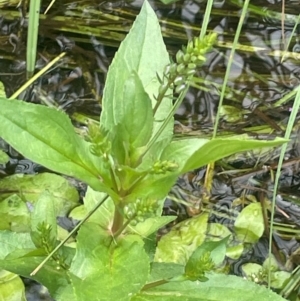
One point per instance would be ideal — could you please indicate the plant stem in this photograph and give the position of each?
(161, 95)
(118, 220)
(121, 229)
(154, 284)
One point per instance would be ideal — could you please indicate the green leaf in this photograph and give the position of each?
(4, 158)
(249, 225)
(50, 275)
(14, 214)
(218, 288)
(153, 186)
(11, 287)
(46, 136)
(181, 150)
(44, 217)
(251, 269)
(90, 237)
(29, 258)
(163, 270)
(136, 117)
(178, 245)
(217, 231)
(151, 225)
(11, 241)
(195, 152)
(111, 268)
(2, 90)
(231, 113)
(18, 255)
(31, 187)
(147, 58)
(168, 1)
(207, 256)
(104, 215)
(235, 251)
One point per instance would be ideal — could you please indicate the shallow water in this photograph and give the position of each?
(257, 82)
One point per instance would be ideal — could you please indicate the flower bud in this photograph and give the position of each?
(179, 57)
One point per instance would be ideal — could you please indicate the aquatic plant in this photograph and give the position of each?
(130, 162)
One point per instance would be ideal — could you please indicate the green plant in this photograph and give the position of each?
(130, 162)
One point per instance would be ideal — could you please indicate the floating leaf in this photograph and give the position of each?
(14, 214)
(231, 113)
(4, 158)
(249, 225)
(178, 245)
(32, 186)
(11, 287)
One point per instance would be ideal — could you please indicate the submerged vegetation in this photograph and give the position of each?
(130, 159)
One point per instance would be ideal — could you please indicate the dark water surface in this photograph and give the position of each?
(90, 31)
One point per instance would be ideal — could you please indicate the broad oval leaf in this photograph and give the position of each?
(104, 271)
(193, 153)
(144, 52)
(30, 187)
(183, 239)
(219, 287)
(14, 214)
(137, 121)
(46, 136)
(11, 287)
(249, 225)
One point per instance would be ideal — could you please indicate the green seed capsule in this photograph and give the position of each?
(181, 69)
(190, 72)
(194, 59)
(212, 38)
(179, 57)
(186, 57)
(173, 69)
(192, 66)
(140, 219)
(179, 80)
(133, 222)
(201, 58)
(180, 88)
(162, 88)
(190, 47)
(167, 69)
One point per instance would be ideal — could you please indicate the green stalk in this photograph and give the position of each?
(70, 234)
(287, 135)
(169, 117)
(32, 36)
(118, 221)
(230, 61)
(206, 18)
(290, 39)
